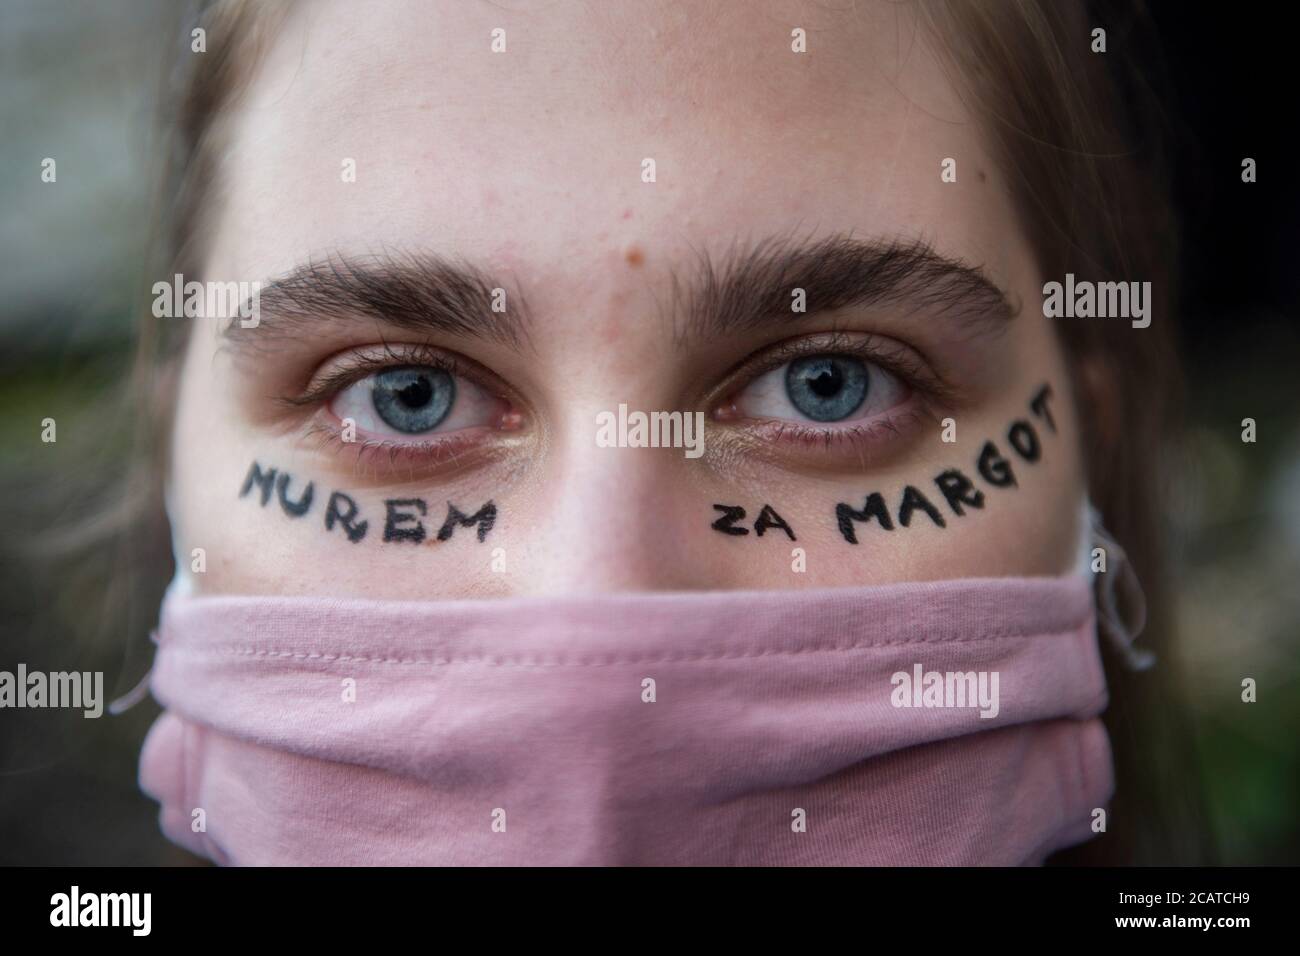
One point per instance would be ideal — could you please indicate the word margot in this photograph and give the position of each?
(401, 518)
(956, 488)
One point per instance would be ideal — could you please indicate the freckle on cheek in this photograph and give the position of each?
(634, 256)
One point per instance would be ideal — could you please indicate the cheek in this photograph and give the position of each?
(266, 529)
(275, 525)
(951, 511)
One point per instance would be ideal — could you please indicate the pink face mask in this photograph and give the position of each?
(952, 722)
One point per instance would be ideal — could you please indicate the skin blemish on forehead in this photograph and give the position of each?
(634, 256)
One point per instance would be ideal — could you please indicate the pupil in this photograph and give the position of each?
(417, 394)
(827, 382)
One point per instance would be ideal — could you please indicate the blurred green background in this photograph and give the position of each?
(80, 83)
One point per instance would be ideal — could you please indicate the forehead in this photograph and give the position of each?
(534, 160)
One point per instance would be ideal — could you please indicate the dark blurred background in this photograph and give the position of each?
(1236, 514)
(81, 82)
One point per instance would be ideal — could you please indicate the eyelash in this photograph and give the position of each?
(357, 366)
(928, 391)
(416, 455)
(892, 356)
(447, 448)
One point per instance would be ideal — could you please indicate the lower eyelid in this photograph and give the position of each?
(853, 446)
(376, 461)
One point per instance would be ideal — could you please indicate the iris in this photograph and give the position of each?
(826, 388)
(413, 399)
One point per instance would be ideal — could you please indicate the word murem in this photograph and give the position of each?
(402, 518)
(953, 485)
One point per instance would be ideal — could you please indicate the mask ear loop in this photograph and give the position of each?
(132, 697)
(1119, 582)
(137, 693)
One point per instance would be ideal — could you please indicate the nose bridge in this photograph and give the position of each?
(612, 515)
(615, 516)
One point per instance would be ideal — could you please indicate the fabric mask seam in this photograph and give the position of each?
(274, 654)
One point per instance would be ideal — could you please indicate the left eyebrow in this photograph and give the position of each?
(755, 286)
(420, 293)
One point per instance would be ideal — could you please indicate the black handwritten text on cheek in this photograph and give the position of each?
(767, 519)
(403, 522)
(955, 488)
(403, 519)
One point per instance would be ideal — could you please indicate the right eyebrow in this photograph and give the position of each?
(419, 293)
(750, 287)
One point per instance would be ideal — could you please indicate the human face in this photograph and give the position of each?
(519, 179)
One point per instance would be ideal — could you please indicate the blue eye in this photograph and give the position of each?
(826, 388)
(411, 399)
(414, 401)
